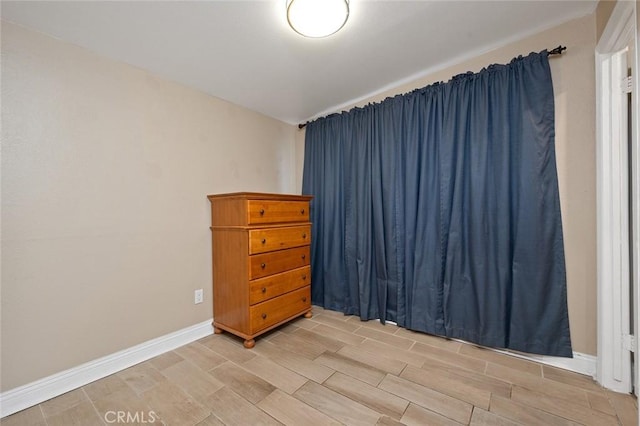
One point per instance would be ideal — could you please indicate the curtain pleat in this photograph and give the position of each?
(439, 210)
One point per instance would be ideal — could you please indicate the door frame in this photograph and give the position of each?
(613, 369)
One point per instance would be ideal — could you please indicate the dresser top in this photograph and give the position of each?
(260, 196)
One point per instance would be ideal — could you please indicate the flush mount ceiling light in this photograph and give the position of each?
(317, 18)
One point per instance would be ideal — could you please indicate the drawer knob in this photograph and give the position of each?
(264, 241)
(264, 316)
(264, 290)
(304, 235)
(304, 256)
(302, 211)
(263, 265)
(261, 212)
(304, 299)
(304, 277)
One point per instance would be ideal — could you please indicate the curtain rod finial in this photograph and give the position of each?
(558, 50)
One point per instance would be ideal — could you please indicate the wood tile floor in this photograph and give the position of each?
(334, 369)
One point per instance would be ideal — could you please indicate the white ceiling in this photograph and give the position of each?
(244, 52)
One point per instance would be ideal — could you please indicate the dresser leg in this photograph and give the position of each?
(308, 315)
(249, 343)
(217, 330)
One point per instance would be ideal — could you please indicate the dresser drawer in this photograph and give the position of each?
(269, 211)
(262, 265)
(276, 285)
(273, 311)
(269, 239)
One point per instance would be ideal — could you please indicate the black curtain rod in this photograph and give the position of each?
(557, 51)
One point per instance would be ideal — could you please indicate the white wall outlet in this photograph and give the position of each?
(198, 296)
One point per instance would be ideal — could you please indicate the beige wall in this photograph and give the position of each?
(603, 13)
(105, 172)
(574, 87)
(105, 169)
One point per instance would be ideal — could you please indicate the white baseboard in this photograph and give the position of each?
(580, 363)
(41, 390)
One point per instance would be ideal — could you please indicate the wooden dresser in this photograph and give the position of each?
(261, 272)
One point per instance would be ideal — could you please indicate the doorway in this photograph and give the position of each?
(618, 168)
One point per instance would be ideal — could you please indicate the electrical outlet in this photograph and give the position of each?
(198, 296)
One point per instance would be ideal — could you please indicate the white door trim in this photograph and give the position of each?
(636, 182)
(614, 363)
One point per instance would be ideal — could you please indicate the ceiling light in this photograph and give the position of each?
(317, 18)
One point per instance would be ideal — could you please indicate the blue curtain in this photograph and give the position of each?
(439, 210)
